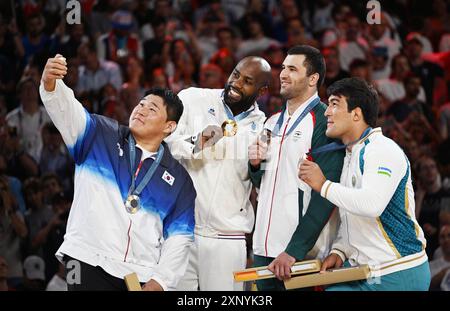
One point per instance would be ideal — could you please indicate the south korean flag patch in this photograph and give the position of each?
(168, 178)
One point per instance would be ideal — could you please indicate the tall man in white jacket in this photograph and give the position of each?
(216, 158)
(375, 196)
(133, 207)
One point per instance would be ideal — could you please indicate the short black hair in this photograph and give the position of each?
(358, 93)
(174, 105)
(314, 61)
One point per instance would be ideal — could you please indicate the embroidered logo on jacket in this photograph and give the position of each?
(212, 111)
(168, 178)
(120, 150)
(297, 135)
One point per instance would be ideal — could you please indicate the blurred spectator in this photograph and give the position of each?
(362, 69)
(134, 76)
(10, 42)
(206, 30)
(334, 71)
(53, 235)
(288, 10)
(443, 157)
(225, 59)
(234, 10)
(211, 77)
(39, 217)
(444, 44)
(58, 282)
(11, 51)
(429, 194)
(430, 73)
(29, 117)
(402, 108)
(226, 39)
(163, 9)
(116, 109)
(354, 46)
(72, 77)
(318, 18)
(255, 11)
(55, 157)
(36, 40)
(18, 162)
(99, 18)
(414, 153)
(143, 15)
(12, 233)
(384, 35)
(444, 220)
(95, 73)
(257, 42)
(444, 121)
(438, 22)
(69, 44)
(379, 57)
(135, 85)
(159, 78)
(3, 275)
(51, 186)
(33, 70)
(34, 274)
(14, 184)
(332, 36)
(440, 267)
(393, 89)
(180, 65)
(274, 55)
(274, 105)
(6, 79)
(297, 35)
(153, 47)
(120, 42)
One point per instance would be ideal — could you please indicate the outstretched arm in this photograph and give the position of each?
(66, 112)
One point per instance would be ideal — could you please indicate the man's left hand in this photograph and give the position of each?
(281, 266)
(311, 174)
(152, 286)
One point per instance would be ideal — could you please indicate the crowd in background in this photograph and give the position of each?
(123, 47)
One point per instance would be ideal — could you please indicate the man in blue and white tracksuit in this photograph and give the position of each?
(133, 207)
(375, 196)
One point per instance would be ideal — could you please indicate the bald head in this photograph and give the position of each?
(263, 69)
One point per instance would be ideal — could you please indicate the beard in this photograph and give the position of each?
(243, 104)
(294, 90)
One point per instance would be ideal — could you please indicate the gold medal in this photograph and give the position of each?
(229, 128)
(132, 204)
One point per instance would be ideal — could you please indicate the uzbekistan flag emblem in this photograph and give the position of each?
(384, 171)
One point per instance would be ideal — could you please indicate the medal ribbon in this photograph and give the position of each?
(337, 146)
(148, 175)
(237, 118)
(305, 112)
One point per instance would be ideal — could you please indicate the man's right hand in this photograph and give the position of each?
(257, 152)
(332, 261)
(56, 68)
(208, 137)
